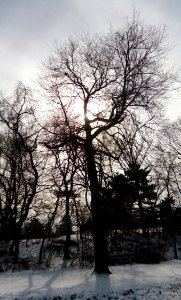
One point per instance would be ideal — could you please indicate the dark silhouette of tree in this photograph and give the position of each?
(167, 158)
(115, 73)
(144, 194)
(66, 165)
(49, 224)
(118, 203)
(34, 229)
(19, 164)
(168, 219)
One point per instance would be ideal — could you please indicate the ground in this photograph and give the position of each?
(159, 281)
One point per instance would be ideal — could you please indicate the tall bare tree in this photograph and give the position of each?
(95, 82)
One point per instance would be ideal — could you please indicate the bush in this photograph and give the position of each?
(149, 255)
(3, 249)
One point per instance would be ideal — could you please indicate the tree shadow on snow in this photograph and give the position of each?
(102, 284)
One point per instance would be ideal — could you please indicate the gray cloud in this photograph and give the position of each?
(29, 27)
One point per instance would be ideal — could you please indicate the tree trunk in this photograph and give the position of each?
(99, 236)
(47, 229)
(16, 251)
(41, 250)
(174, 243)
(15, 246)
(68, 228)
(140, 206)
(100, 242)
(142, 218)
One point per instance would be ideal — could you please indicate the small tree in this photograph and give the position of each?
(63, 174)
(168, 219)
(144, 194)
(34, 229)
(118, 203)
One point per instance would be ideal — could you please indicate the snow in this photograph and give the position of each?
(159, 281)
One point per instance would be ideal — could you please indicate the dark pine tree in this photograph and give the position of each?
(144, 195)
(119, 209)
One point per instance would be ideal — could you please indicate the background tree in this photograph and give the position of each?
(118, 204)
(64, 173)
(34, 229)
(168, 219)
(144, 193)
(66, 162)
(19, 163)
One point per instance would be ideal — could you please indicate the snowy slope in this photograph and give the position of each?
(162, 281)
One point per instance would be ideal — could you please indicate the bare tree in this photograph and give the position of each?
(65, 169)
(106, 77)
(19, 163)
(167, 159)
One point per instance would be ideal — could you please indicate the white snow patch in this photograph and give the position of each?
(161, 281)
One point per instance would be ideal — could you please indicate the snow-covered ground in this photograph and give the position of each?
(159, 281)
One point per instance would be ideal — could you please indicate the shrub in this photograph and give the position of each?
(149, 255)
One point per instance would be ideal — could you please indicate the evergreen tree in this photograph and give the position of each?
(168, 219)
(144, 195)
(119, 209)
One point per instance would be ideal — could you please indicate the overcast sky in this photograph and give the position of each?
(28, 29)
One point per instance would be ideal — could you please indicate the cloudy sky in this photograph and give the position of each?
(28, 29)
